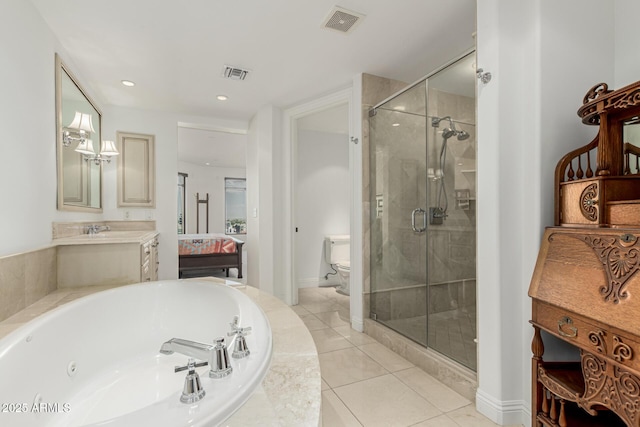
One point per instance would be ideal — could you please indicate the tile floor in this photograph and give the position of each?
(366, 384)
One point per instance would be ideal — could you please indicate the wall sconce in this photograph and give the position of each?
(107, 150)
(78, 129)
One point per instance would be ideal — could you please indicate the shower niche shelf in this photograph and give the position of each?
(586, 275)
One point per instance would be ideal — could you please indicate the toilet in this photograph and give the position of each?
(337, 252)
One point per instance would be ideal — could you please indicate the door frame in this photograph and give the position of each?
(290, 151)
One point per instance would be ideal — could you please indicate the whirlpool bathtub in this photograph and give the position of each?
(96, 360)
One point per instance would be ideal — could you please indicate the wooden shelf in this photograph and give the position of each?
(577, 417)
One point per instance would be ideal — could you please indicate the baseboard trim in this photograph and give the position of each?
(357, 324)
(508, 412)
(316, 282)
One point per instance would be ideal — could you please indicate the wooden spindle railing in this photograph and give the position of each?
(565, 169)
(631, 159)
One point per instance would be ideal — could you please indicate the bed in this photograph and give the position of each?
(198, 253)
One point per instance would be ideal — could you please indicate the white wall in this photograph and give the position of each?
(27, 119)
(203, 180)
(164, 126)
(265, 201)
(627, 60)
(543, 60)
(27, 116)
(322, 199)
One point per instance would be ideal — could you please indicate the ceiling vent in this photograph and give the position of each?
(342, 20)
(234, 73)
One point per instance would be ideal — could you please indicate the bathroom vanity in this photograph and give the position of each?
(114, 257)
(586, 285)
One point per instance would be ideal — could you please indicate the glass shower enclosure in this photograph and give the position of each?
(423, 215)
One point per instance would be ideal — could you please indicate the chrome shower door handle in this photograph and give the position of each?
(413, 220)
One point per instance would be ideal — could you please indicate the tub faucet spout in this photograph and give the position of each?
(193, 349)
(216, 355)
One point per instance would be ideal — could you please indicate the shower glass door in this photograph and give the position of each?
(423, 235)
(398, 166)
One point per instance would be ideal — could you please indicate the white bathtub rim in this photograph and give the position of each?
(25, 331)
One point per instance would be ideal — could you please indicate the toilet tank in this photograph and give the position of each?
(337, 248)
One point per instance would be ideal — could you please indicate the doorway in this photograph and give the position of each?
(322, 199)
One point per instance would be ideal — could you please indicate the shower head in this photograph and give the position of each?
(448, 133)
(462, 135)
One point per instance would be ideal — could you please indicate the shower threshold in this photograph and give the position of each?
(451, 333)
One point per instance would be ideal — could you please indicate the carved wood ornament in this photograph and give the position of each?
(597, 339)
(618, 390)
(589, 202)
(621, 351)
(621, 260)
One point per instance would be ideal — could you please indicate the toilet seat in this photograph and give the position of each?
(345, 265)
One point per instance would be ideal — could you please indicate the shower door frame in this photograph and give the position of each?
(369, 303)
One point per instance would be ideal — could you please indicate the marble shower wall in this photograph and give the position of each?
(452, 245)
(374, 90)
(398, 163)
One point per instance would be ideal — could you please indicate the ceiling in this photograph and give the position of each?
(212, 148)
(175, 51)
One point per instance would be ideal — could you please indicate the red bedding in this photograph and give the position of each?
(206, 246)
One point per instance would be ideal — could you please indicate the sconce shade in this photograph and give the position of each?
(83, 122)
(108, 149)
(86, 147)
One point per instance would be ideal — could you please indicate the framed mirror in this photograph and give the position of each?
(631, 145)
(78, 129)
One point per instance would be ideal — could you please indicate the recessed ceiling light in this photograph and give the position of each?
(395, 124)
(208, 164)
(222, 97)
(128, 83)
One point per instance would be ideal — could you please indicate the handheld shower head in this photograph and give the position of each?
(448, 133)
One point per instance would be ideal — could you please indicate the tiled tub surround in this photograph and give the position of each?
(290, 392)
(26, 278)
(30, 276)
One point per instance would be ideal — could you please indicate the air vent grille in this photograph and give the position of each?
(234, 73)
(342, 20)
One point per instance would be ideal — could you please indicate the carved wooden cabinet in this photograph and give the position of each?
(585, 288)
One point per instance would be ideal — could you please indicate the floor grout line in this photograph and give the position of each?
(387, 372)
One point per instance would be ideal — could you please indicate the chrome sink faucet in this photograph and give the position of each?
(95, 228)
